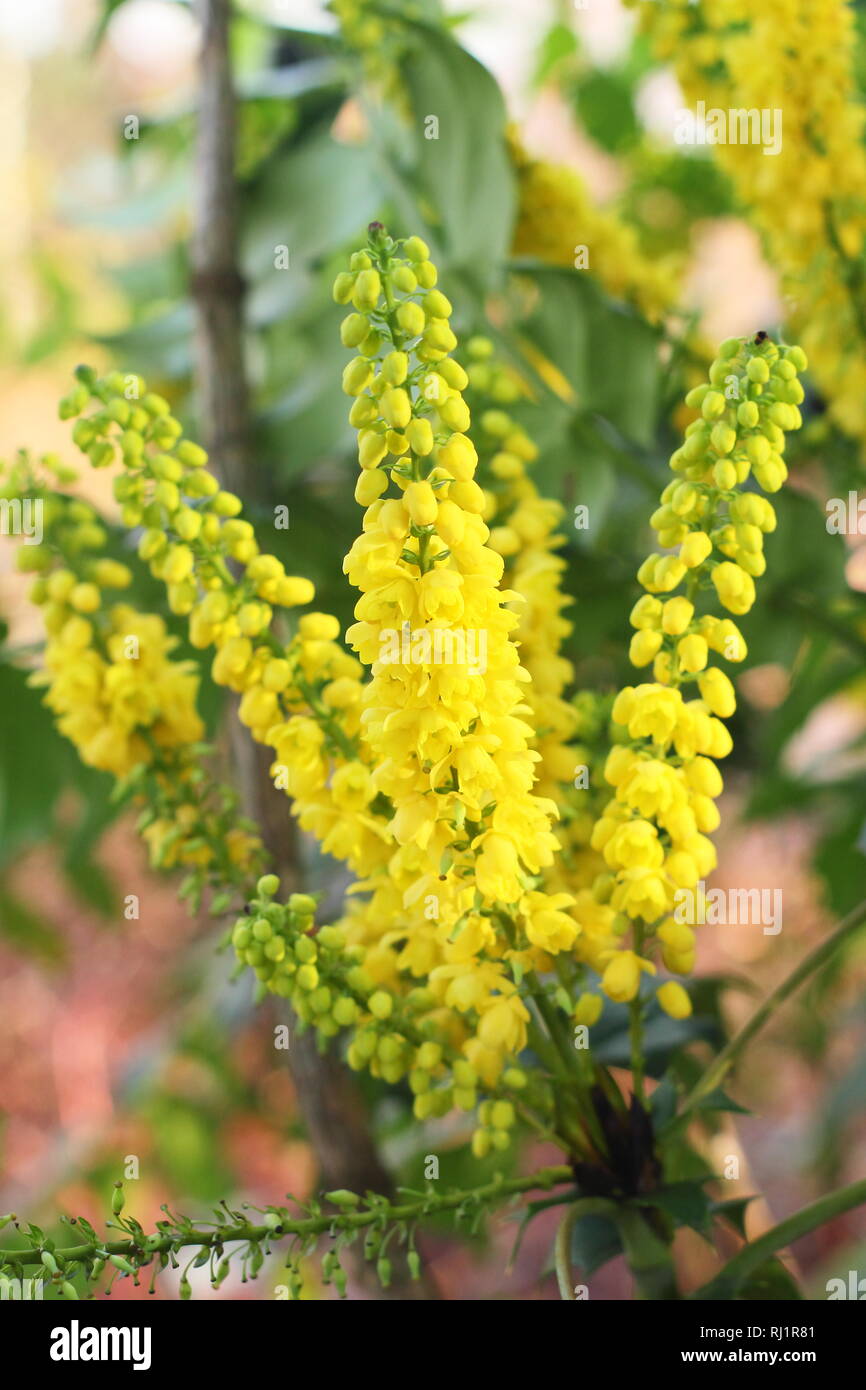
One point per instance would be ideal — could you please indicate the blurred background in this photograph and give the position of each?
(125, 1040)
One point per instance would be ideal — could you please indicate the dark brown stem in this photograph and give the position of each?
(332, 1111)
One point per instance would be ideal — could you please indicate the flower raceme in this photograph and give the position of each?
(797, 58)
(120, 696)
(451, 746)
(654, 832)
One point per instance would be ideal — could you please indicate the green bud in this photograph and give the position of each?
(303, 904)
(342, 1197)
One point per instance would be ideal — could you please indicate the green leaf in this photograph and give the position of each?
(733, 1212)
(560, 42)
(718, 1100)
(605, 107)
(595, 1241)
(464, 173)
(35, 764)
(27, 930)
(686, 1202)
(314, 199)
(663, 1103)
(607, 352)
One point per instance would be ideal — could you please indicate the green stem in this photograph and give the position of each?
(635, 1029)
(304, 1227)
(738, 1269)
(635, 1033)
(718, 1069)
(587, 1206)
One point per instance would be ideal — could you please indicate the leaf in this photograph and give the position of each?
(686, 1202)
(606, 351)
(718, 1100)
(663, 1103)
(313, 199)
(559, 42)
(733, 1212)
(606, 109)
(464, 172)
(771, 1283)
(27, 930)
(34, 765)
(595, 1241)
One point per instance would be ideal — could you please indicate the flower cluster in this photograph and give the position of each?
(556, 216)
(654, 832)
(448, 738)
(794, 59)
(495, 880)
(122, 698)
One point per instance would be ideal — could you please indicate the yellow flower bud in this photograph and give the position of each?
(368, 287)
(676, 616)
(692, 653)
(369, 486)
(723, 438)
(644, 646)
(454, 412)
(458, 455)
(395, 368)
(419, 434)
(420, 501)
(717, 692)
(674, 1000)
(357, 376)
(411, 318)
(396, 407)
(372, 448)
(588, 1009)
(695, 549)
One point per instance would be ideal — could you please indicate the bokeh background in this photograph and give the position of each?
(126, 1038)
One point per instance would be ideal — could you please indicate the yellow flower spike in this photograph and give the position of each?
(665, 783)
(425, 571)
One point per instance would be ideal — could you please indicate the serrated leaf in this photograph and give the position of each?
(720, 1100)
(686, 1202)
(733, 1213)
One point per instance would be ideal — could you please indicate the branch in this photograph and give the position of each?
(138, 1250)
